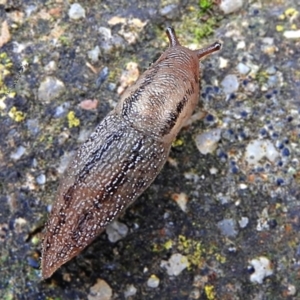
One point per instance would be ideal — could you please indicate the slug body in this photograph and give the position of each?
(124, 154)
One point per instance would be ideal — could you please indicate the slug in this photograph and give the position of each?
(124, 154)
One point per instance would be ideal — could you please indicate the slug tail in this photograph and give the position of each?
(172, 37)
(208, 50)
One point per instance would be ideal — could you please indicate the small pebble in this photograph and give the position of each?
(292, 34)
(61, 110)
(175, 265)
(76, 11)
(130, 291)
(32, 262)
(153, 281)
(262, 269)
(228, 227)
(207, 142)
(213, 171)
(105, 32)
(291, 290)
(116, 231)
(271, 70)
(230, 84)
(223, 62)
(169, 10)
(100, 291)
(111, 86)
(88, 104)
(243, 222)
(230, 6)
(241, 45)
(41, 179)
(285, 152)
(33, 126)
(102, 76)
(195, 294)
(64, 162)
(50, 89)
(93, 54)
(243, 186)
(51, 66)
(181, 199)
(243, 69)
(258, 149)
(18, 153)
(129, 76)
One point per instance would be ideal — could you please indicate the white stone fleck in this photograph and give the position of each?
(291, 34)
(175, 265)
(64, 162)
(262, 269)
(181, 199)
(130, 291)
(243, 186)
(243, 69)
(207, 142)
(41, 179)
(51, 67)
(262, 222)
(230, 6)
(258, 149)
(243, 222)
(50, 89)
(76, 11)
(18, 153)
(213, 171)
(291, 290)
(93, 54)
(228, 227)
(241, 45)
(116, 231)
(153, 281)
(230, 84)
(223, 62)
(100, 291)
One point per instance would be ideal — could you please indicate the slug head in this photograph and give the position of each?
(163, 98)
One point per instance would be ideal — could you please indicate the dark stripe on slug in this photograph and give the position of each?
(138, 93)
(173, 115)
(98, 153)
(111, 188)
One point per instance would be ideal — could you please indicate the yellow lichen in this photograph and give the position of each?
(157, 248)
(220, 258)
(279, 28)
(168, 244)
(72, 120)
(293, 27)
(35, 240)
(192, 249)
(5, 65)
(177, 143)
(210, 292)
(16, 115)
(291, 12)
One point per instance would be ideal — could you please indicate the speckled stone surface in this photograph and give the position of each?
(239, 211)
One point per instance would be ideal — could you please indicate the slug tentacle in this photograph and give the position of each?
(172, 37)
(208, 50)
(124, 154)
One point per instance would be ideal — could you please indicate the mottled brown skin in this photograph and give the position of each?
(124, 154)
